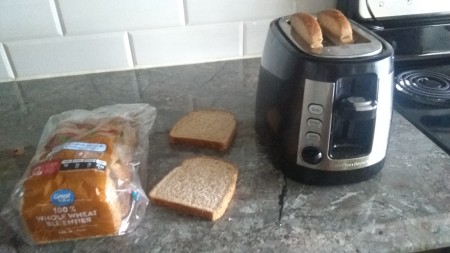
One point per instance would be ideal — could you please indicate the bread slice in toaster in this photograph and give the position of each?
(335, 24)
(307, 27)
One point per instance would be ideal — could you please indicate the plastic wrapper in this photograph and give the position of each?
(83, 179)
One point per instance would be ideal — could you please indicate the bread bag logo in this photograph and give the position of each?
(62, 197)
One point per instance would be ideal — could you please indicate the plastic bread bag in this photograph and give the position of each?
(83, 180)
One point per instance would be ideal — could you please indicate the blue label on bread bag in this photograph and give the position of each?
(62, 197)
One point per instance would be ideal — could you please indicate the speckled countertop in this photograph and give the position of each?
(405, 208)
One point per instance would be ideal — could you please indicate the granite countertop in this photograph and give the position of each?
(404, 208)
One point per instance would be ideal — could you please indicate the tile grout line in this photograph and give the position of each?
(241, 39)
(130, 53)
(182, 10)
(4, 56)
(137, 67)
(57, 17)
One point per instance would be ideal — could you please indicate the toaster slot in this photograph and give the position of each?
(331, 41)
(354, 114)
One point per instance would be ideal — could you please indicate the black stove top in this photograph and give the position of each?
(421, 64)
(422, 96)
(424, 86)
(422, 77)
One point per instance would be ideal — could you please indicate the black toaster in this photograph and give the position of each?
(324, 114)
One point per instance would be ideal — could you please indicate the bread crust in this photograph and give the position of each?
(220, 146)
(206, 214)
(336, 24)
(307, 27)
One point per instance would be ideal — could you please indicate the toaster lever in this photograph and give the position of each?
(357, 108)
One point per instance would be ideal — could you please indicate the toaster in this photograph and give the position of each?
(324, 114)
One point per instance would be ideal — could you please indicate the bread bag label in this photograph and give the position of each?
(69, 195)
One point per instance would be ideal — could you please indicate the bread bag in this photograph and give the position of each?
(83, 179)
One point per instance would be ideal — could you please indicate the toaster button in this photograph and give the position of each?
(314, 124)
(313, 138)
(315, 109)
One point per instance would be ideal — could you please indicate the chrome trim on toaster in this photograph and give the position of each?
(316, 92)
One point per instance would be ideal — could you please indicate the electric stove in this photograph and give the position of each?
(422, 96)
(422, 77)
(421, 41)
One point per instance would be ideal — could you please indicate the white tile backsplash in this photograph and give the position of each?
(26, 19)
(186, 44)
(314, 6)
(99, 16)
(255, 33)
(74, 54)
(216, 11)
(63, 37)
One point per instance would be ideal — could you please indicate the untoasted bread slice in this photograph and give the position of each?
(206, 128)
(200, 186)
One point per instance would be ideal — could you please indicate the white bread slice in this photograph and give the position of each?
(201, 186)
(308, 28)
(336, 24)
(206, 128)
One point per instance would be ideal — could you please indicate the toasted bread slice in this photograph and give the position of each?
(200, 186)
(206, 128)
(308, 28)
(336, 24)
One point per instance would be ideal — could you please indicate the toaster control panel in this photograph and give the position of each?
(315, 122)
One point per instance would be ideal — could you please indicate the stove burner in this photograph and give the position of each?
(427, 87)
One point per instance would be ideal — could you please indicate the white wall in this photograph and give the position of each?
(42, 38)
